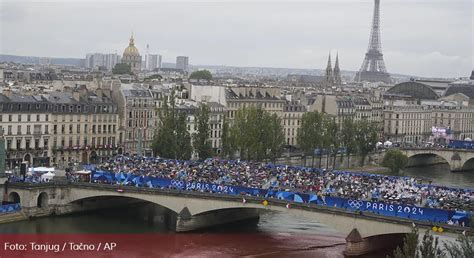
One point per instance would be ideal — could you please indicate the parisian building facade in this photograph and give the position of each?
(60, 129)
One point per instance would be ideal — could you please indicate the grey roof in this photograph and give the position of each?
(56, 102)
(62, 98)
(435, 84)
(3, 98)
(415, 90)
(311, 100)
(361, 101)
(230, 94)
(19, 98)
(186, 108)
(465, 89)
(136, 90)
(215, 104)
(344, 102)
(293, 106)
(23, 103)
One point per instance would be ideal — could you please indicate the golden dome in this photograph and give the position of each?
(131, 50)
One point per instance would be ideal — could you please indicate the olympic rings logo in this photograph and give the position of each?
(355, 204)
(177, 184)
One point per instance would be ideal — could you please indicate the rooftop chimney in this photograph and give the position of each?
(76, 95)
(7, 92)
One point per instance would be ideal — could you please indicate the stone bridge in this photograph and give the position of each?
(458, 159)
(195, 210)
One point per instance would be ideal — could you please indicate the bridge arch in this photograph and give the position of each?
(42, 200)
(96, 197)
(468, 165)
(423, 159)
(14, 197)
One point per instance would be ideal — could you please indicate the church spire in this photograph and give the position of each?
(132, 40)
(329, 76)
(337, 72)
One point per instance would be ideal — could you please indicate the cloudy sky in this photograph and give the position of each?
(419, 37)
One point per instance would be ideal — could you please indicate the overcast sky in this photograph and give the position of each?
(419, 37)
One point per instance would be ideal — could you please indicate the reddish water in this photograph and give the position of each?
(172, 245)
(277, 235)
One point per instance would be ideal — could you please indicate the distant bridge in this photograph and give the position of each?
(196, 210)
(458, 159)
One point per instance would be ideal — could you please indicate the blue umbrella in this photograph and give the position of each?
(313, 198)
(289, 196)
(120, 177)
(283, 195)
(297, 198)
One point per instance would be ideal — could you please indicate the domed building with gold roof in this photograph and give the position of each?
(131, 56)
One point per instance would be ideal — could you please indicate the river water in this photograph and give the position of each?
(276, 235)
(440, 175)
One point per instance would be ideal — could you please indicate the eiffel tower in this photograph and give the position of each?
(373, 68)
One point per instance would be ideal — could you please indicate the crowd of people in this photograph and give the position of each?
(360, 186)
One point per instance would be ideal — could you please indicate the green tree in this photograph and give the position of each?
(332, 137)
(348, 137)
(201, 142)
(274, 137)
(365, 138)
(153, 77)
(164, 140)
(429, 247)
(410, 243)
(395, 160)
(227, 142)
(122, 68)
(172, 139)
(462, 247)
(201, 75)
(253, 132)
(310, 133)
(239, 132)
(183, 138)
(256, 134)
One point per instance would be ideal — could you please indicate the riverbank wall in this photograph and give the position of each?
(340, 161)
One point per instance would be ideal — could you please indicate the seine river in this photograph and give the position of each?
(276, 235)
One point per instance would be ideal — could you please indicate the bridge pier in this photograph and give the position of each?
(358, 246)
(187, 222)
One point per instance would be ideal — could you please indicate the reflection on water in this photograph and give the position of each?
(103, 221)
(113, 221)
(439, 175)
(278, 234)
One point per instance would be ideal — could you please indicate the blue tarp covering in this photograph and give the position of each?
(10, 208)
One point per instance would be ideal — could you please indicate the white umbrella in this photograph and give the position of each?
(83, 172)
(47, 176)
